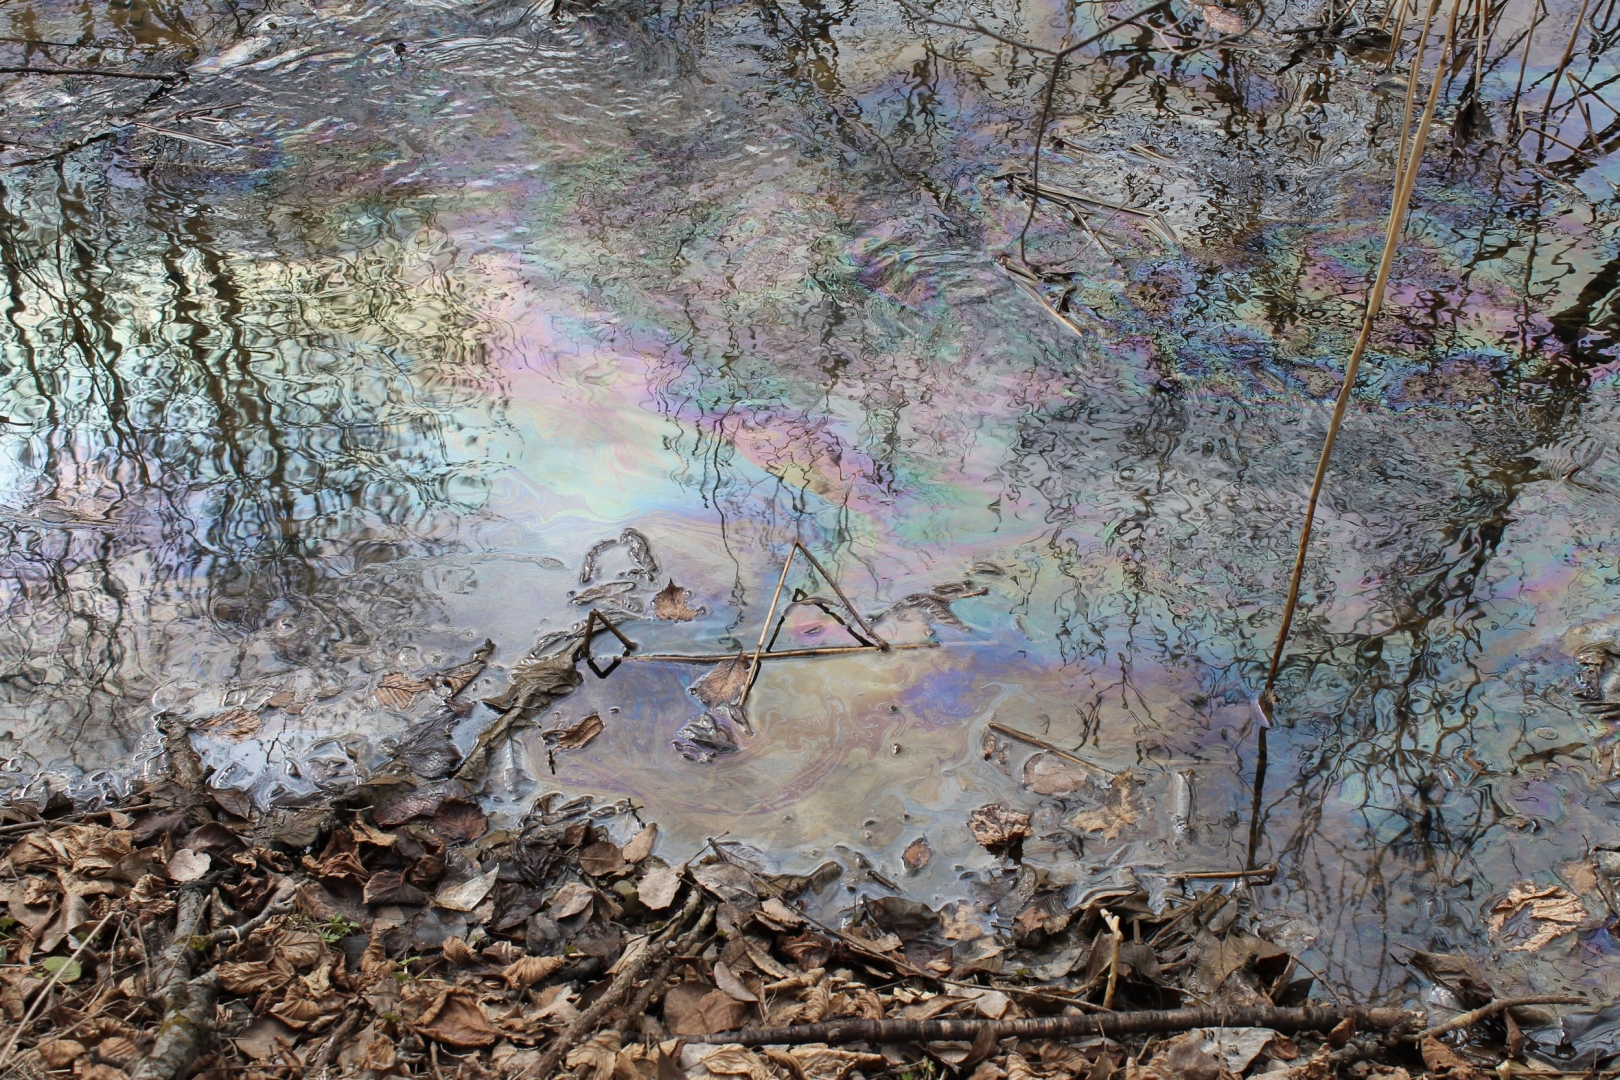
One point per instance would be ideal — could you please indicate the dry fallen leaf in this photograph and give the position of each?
(917, 854)
(458, 821)
(456, 1019)
(996, 825)
(728, 981)
(238, 723)
(571, 899)
(397, 691)
(379, 1054)
(467, 894)
(641, 844)
(187, 864)
(1442, 1060)
(1551, 912)
(723, 684)
(596, 1056)
(602, 859)
(580, 734)
(673, 604)
(60, 1053)
(525, 971)
(658, 886)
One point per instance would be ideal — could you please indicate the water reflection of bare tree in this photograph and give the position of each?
(203, 447)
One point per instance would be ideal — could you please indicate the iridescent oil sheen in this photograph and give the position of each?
(336, 358)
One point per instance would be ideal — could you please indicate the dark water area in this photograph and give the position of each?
(336, 357)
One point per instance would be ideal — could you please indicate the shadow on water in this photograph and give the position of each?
(337, 356)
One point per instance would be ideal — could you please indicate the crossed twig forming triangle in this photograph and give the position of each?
(868, 638)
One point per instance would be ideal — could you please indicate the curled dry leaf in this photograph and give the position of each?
(572, 738)
(525, 971)
(397, 691)
(673, 604)
(238, 723)
(456, 1019)
(1550, 912)
(658, 887)
(996, 825)
(118, 1050)
(379, 1054)
(917, 854)
(458, 952)
(187, 864)
(641, 844)
(736, 1061)
(779, 913)
(571, 899)
(99, 1071)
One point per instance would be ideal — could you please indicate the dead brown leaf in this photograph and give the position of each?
(379, 1053)
(829, 1063)
(238, 723)
(60, 1053)
(458, 821)
(602, 859)
(525, 971)
(673, 604)
(1443, 1061)
(641, 844)
(701, 1009)
(456, 1019)
(917, 854)
(723, 684)
(390, 887)
(996, 825)
(458, 952)
(571, 899)
(1549, 913)
(728, 981)
(397, 691)
(658, 887)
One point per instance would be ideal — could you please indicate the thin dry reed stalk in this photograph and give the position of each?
(1375, 301)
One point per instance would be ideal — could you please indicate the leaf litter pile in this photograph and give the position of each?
(399, 935)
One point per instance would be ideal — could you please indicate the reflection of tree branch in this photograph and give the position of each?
(1049, 94)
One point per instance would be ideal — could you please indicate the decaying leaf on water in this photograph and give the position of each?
(917, 854)
(398, 691)
(721, 688)
(543, 677)
(419, 802)
(428, 749)
(673, 604)
(456, 1019)
(1117, 813)
(238, 723)
(704, 738)
(1550, 912)
(997, 826)
(580, 734)
(458, 678)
